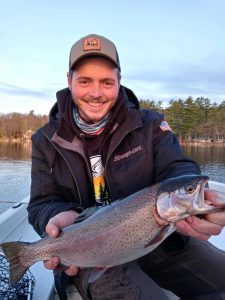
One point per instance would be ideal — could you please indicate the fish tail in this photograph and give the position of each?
(13, 251)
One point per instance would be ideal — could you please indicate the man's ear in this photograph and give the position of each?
(69, 80)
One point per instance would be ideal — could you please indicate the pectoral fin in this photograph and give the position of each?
(163, 233)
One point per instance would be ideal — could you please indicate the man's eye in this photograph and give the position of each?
(108, 83)
(83, 82)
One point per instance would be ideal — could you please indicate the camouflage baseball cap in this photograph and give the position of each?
(93, 45)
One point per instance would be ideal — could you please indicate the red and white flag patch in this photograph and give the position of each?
(165, 126)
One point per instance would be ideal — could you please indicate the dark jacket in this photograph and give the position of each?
(139, 153)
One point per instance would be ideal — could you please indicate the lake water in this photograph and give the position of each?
(15, 166)
(211, 160)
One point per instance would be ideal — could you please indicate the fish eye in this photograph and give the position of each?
(190, 189)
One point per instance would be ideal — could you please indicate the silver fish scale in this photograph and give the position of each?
(120, 232)
(124, 226)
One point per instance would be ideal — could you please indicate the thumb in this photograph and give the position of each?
(52, 229)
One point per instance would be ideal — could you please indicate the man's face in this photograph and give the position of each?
(94, 86)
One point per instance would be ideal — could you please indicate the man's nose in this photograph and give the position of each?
(96, 90)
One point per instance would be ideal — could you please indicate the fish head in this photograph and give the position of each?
(183, 196)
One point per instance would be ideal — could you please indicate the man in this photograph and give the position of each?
(99, 146)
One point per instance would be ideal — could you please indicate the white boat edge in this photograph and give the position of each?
(14, 226)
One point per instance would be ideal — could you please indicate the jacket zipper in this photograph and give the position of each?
(107, 159)
(79, 194)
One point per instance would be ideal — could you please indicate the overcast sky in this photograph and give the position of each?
(168, 49)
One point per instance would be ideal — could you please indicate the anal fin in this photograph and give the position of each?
(96, 273)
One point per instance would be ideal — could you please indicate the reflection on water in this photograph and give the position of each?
(15, 166)
(206, 154)
(14, 181)
(15, 150)
(210, 158)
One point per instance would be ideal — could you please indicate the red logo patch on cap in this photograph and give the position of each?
(91, 44)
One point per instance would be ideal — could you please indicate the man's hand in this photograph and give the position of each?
(53, 227)
(203, 228)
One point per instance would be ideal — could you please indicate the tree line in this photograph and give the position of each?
(190, 119)
(20, 126)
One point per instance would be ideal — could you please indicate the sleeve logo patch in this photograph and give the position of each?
(165, 126)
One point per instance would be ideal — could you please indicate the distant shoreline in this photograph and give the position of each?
(203, 143)
(5, 140)
(220, 143)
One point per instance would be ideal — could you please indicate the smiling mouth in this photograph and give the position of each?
(95, 104)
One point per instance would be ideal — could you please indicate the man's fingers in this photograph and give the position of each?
(216, 218)
(185, 228)
(210, 194)
(204, 226)
(215, 198)
(198, 228)
(52, 263)
(60, 221)
(52, 229)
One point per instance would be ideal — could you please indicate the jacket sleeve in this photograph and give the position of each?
(45, 199)
(169, 158)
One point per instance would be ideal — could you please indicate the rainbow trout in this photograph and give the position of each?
(120, 232)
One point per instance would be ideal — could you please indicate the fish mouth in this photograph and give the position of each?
(204, 205)
(199, 199)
